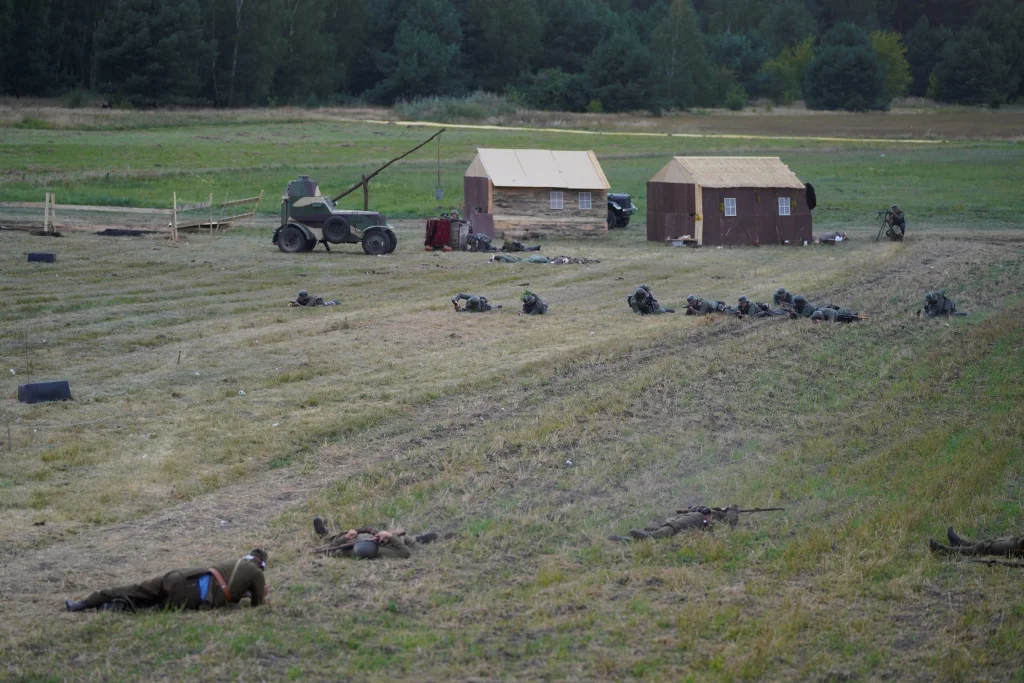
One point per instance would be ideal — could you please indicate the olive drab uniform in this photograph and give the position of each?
(396, 547)
(642, 301)
(306, 299)
(478, 241)
(195, 588)
(533, 304)
(696, 517)
(1009, 545)
(835, 315)
(474, 303)
(511, 245)
(802, 308)
(937, 303)
(782, 298)
(701, 307)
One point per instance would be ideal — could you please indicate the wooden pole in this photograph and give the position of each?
(211, 213)
(255, 209)
(46, 213)
(53, 212)
(366, 194)
(372, 175)
(174, 217)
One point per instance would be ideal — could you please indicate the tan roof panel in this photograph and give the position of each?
(539, 168)
(728, 172)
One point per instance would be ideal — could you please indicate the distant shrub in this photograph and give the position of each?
(736, 98)
(594, 106)
(479, 106)
(77, 100)
(33, 123)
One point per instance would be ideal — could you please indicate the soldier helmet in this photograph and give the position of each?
(780, 291)
(646, 288)
(742, 299)
(259, 556)
(365, 549)
(895, 207)
(817, 315)
(690, 299)
(799, 299)
(303, 293)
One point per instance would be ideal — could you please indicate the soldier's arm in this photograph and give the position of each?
(257, 589)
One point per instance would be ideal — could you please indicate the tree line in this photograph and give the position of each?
(598, 55)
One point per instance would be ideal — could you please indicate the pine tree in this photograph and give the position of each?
(679, 61)
(845, 73)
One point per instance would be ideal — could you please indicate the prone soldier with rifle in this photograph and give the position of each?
(696, 517)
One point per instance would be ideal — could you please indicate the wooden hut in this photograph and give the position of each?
(537, 192)
(728, 200)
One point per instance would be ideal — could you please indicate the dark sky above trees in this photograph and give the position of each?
(566, 54)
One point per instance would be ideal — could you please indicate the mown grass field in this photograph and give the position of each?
(210, 418)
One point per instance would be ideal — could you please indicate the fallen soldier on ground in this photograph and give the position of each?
(200, 588)
(368, 543)
(1012, 546)
(696, 517)
(474, 303)
(306, 299)
(533, 304)
(642, 301)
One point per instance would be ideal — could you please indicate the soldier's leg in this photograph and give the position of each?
(149, 593)
(1011, 545)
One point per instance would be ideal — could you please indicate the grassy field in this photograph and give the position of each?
(210, 418)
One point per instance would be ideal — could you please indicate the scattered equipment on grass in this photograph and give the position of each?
(304, 210)
(38, 392)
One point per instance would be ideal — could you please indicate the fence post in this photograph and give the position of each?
(211, 214)
(46, 214)
(366, 194)
(174, 217)
(255, 209)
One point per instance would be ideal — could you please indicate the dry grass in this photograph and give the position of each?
(391, 408)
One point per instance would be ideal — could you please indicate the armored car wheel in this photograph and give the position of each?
(291, 240)
(376, 242)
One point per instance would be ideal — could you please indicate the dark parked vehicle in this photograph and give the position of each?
(304, 210)
(620, 208)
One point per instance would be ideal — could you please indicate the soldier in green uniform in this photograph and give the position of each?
(698, 517)
(533, 304)
(368, 543)
(835, 314)
(802, 308)
(305, 299)
(1009, 545)
(782, 298)
(506, 258)
(474, 303)
(511, 245)
(937, 303)
(756, 309)
(642, 301)
(695, 305)
(576, 260)
(198, 588)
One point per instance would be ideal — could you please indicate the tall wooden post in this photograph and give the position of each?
(366, 194)
(211, 213)
(255, 209)
(46, 213)
(174, 217)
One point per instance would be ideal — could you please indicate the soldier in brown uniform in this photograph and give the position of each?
(1009, 545)
(198, 588)
(699, 517)
(368, 543)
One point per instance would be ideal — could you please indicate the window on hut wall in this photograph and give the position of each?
(585, 202)
(783, 206)
(730, 206)
(557, 200)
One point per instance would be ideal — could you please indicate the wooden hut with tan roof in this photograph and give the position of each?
(728, 200)
(536, 192)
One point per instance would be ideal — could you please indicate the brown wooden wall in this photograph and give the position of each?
(477, 193)
(670, 207)
(670, 211)
(527, 211)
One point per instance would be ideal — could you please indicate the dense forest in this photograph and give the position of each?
(598, 55)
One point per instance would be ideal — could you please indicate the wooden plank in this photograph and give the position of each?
(236, 202)
(237, 217)
(85, 207)
(196, 206)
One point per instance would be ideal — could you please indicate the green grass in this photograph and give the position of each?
(392, 410)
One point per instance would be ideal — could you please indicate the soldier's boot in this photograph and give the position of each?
(74, 605)
(954, 539)
(319, 527)
(639, 534)
(620, 539)
(117, 605)
(428, 537)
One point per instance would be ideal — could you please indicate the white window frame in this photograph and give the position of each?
(557, 200)
(730, 206)
(585, 201)
(784, 206)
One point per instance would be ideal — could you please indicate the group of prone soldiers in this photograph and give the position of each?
(228, 583)
(643, 302)
(476, 303)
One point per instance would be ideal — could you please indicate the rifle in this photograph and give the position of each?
(1018, 565)
(761, 510)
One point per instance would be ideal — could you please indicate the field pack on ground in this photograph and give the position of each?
(209, 418)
